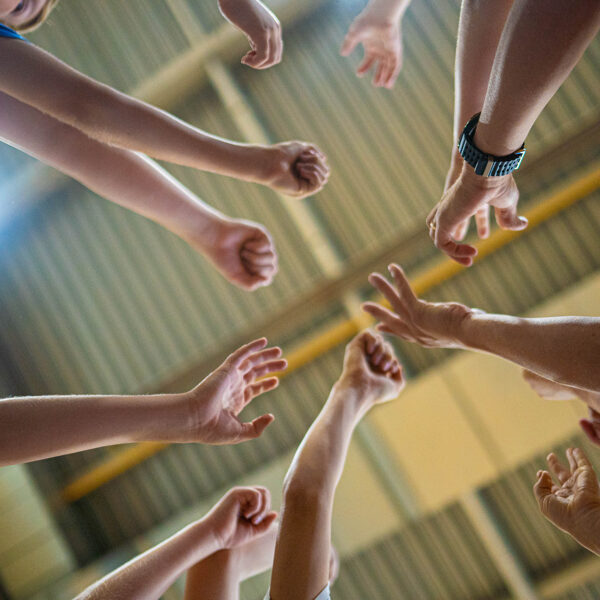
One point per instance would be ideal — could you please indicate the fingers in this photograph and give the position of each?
(366, 64)
(255, 428)
(237, 358)
(558, 469)
(260, 387)
(507, 218)
(580, 458)
(543, 490)
(380, 354)
(311, 166)
(482, 220)
(257, 505)
(571, 459)
(260, 357)
(380, 283)
(272, 366)
(267, 47)
(440, 233)
(390, 322)
(402, 285)
(350, 42)
(261, 267)
(461, 231)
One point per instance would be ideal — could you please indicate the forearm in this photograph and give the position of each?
(214, 578)
(33, 428)
(563, 349)
(542, 41)
(121, 176)
(115, 118)
(388, 10)
(148, 576)
(479, 31)
(301, 565)
(319, 460)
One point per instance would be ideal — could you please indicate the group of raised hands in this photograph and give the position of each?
(103, 138)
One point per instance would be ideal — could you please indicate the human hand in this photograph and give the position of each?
(260, 26)
(551, 390)
(380, 34)
(430, 324)
(242, 251)
(241, 516)
(215, 403)
(296, 169)
(574, 504)
(371, 369)
(472, 195)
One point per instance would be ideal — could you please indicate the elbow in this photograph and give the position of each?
(303, 492)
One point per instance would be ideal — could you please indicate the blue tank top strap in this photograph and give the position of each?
(7, 32)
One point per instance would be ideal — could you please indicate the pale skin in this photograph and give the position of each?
(218, 577)
(35, 428)
(378, 29)
(535, 46)
(572, 503)
(563, 349)
(296, 169)
(242, 516)
(242, 251)
(371, 375)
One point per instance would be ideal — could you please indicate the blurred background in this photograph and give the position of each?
(436, 500)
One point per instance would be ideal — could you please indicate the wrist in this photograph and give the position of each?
(205, 540)
(492, 142)
(166, 417)
(470, 180)
(387, 11)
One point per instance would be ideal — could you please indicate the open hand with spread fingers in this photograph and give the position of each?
(242, 516)
(260, 26)
(379, 31)
(215, 403)
(371, 369)
(242, 251)
(573, 503)
(296, 169)
(469, 196)
(430, 324)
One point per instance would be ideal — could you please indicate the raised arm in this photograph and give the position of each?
(242, 251)
(301, 570)
(540, 44)
(378, 29)
(107, 115)
(479, 31)
(33, 428)
(241, 515)
(563, 349)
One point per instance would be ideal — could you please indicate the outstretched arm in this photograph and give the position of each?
(479, 31)
(301, 567)
(243, 251)
(563, 349)
(540, 44)
(109, 116)
(240, 516)
(33, 428)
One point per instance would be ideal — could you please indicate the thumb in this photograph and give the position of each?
(543, 490)
(255, 428)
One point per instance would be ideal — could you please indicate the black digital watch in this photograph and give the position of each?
(484, 164)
